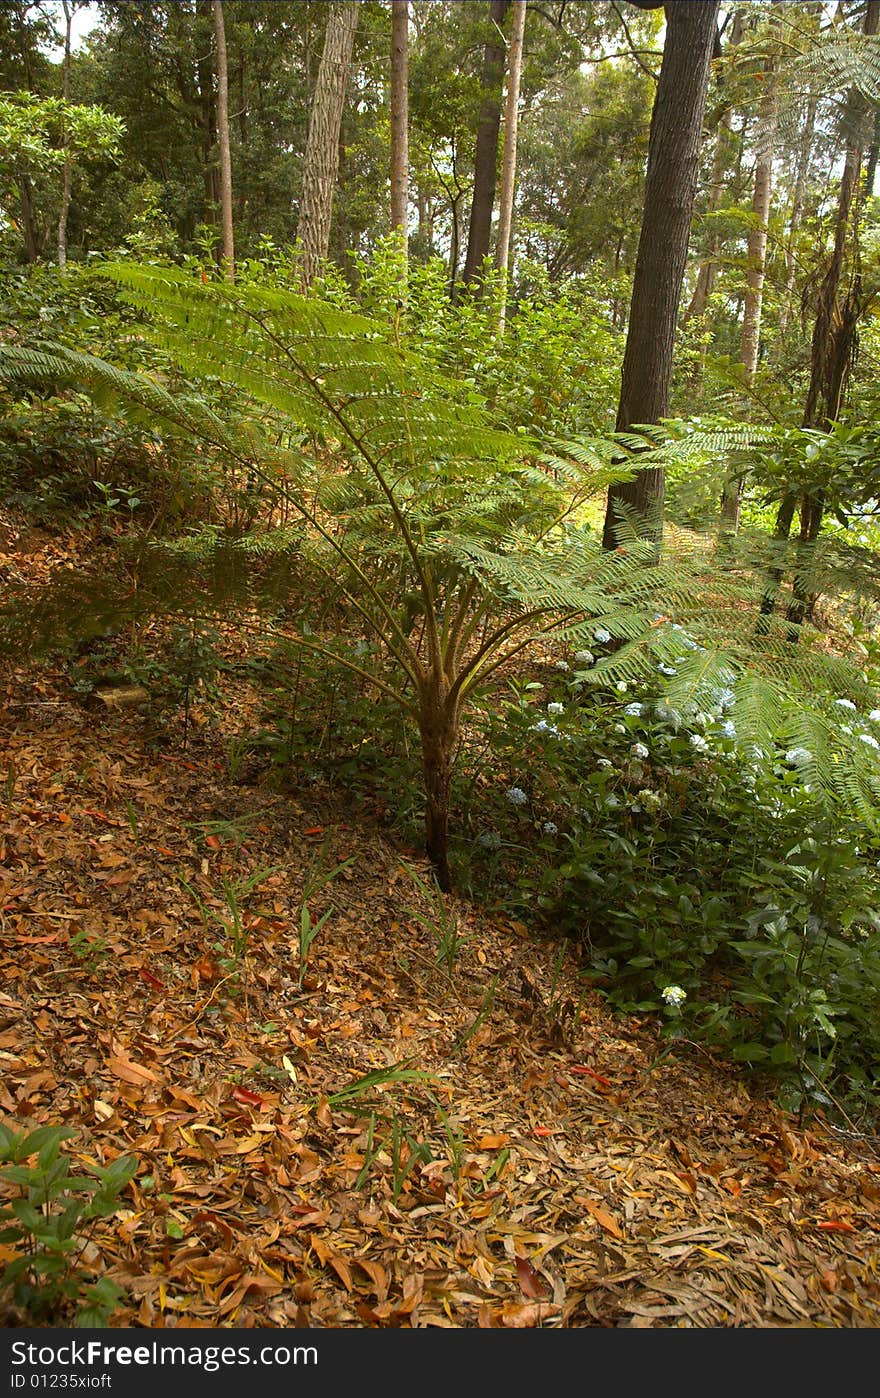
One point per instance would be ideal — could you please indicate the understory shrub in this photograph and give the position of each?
(46, 1216)
(706, 881)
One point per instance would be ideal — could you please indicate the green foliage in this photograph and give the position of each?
(679, 855)
(45, 1225)
(317, 877)
(441, 921)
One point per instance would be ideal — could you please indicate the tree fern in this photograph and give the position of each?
(452, 542)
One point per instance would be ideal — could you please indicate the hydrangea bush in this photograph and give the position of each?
(706, 883)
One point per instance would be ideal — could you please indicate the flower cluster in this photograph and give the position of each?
(798, 757)
(516, 796)
(674, 995)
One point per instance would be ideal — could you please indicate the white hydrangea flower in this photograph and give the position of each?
(674, 995)
(619, 728)
(874, 715)
(516, 796)
(601, 635)
(698, 742)
(845, 704)
(562, 665)
(584, 657)
(549, 828)
(652, 799)
(490, 839)
(639, 750)
(634, 710)
(798, 757)
(666, 669)
(621, 686)
(542, 726)
(556, 708)
(604, 763)
(728, 729)
(870, 740)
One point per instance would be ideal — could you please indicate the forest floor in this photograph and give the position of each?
(371, 1139)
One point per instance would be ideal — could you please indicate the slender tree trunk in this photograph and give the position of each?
(321, 160)
(833, 333)
(399, 117)
(223, 138)
(756, 266)
(829, 357)
(805, 151)
(756, 256)
(67, 186)
(508, 164)
(32, 241)
(673, 164)
(205, 83)
(486, 160)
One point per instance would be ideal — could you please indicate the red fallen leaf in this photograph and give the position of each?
(204, 277)
(99, 815)
(543, 1131)
(314, 830)
(530, 1282)
(584, 1072)
(163, 849)
(836, 1225)
(152, 980)
(212, 841)
(38, 941)
(243, 1094)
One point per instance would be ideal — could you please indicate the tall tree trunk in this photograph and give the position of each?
(205, 84)
(486, 159)
(670, 185)
(321, 160)
(795, 219)
(756, 255)
(508, 164)
(709, 266)
(223, 138)
(833, 332)
(67, 186)
(399, 117)
(756, 266)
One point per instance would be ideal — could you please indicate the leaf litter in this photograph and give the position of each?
(371, 1143)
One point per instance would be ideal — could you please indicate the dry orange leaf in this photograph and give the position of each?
(131, 1072)
(492, 1142)
(602, 1216)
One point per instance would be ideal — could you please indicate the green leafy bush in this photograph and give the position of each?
(45, 1226)
(682, 860)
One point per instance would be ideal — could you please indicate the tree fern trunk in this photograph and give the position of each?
(438, 727)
